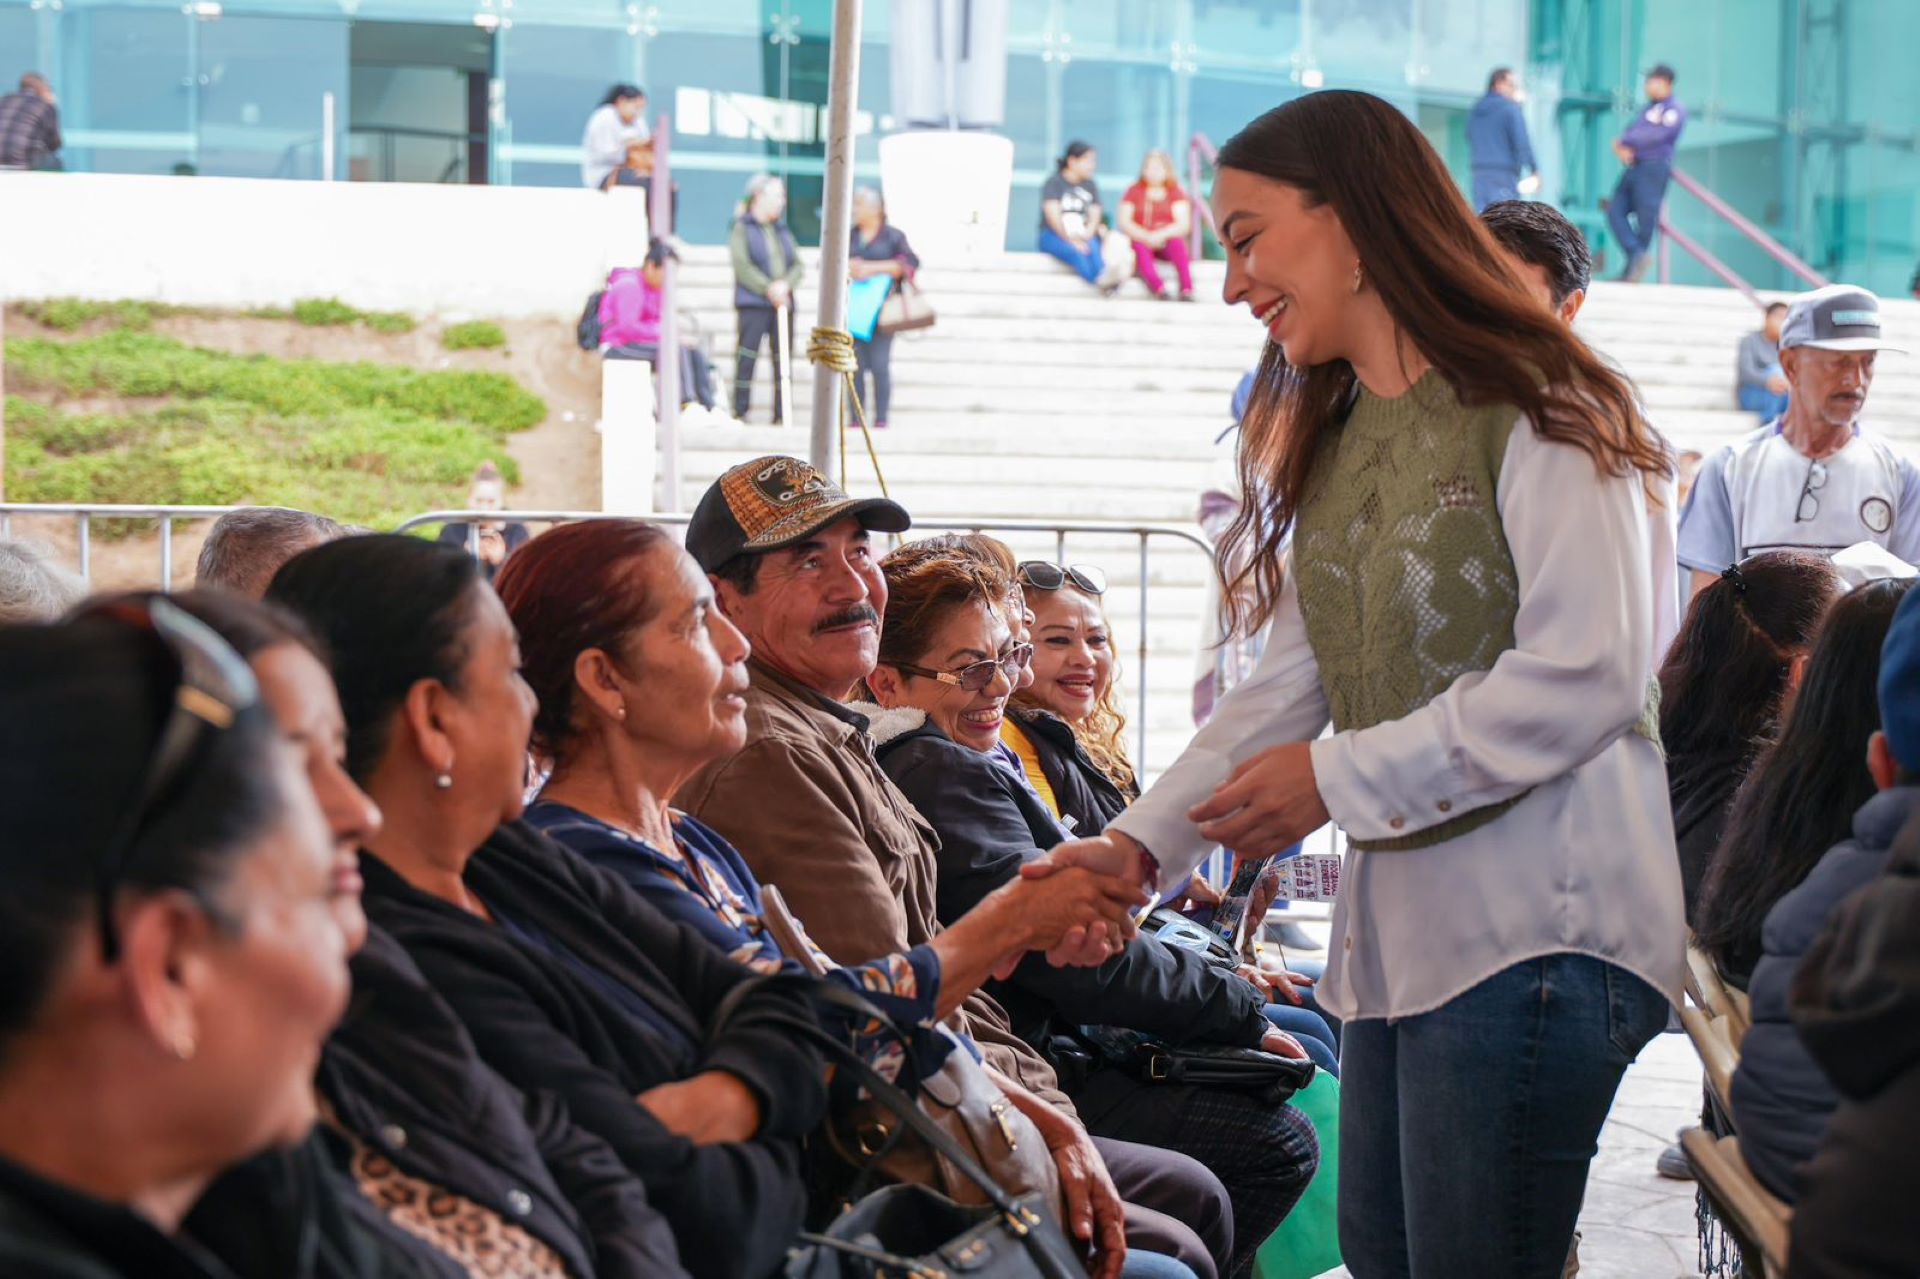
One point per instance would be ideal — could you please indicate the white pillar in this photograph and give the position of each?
(836, 227)
(627, 430)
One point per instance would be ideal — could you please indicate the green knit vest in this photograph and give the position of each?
(1405, 577)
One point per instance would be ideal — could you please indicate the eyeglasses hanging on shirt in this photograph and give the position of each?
(1810, 493)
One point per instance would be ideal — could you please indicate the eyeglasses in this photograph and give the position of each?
(974, 678)
(1809, 492)
(213, 687)
(1043, 575)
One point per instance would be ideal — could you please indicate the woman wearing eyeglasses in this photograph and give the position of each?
(948, 665)
(170, 954)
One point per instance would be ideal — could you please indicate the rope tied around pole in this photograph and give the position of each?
(832, 350)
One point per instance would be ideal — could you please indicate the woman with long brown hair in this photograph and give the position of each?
(1470, 604)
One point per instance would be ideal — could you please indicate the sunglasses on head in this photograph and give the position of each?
(214, 684)
(1043, 575)
(975, 678)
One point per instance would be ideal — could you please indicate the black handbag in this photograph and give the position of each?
(903, 1231)
(1269, 1076)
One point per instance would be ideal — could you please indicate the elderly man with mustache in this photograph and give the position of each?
(807, 805)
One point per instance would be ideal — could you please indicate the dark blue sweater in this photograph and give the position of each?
(1497, 135)
(1781, 1098)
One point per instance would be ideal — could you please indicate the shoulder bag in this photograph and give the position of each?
(960, 1097)
(906, 308)
(906, 1230)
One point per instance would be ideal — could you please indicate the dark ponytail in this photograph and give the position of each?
(1075, 149)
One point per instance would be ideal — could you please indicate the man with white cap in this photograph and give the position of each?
(1813, 479)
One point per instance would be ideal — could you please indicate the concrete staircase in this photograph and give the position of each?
(1036, 399)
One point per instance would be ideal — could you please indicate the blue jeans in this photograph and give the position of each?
(1311, 1029)
(1466, 1132)
(1634, 211)
(1089, 266)
(1492, 186)
(1151, 1265)
(1758, 399)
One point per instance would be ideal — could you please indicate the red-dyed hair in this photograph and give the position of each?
(576, 587)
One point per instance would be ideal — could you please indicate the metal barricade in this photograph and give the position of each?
(84, 514)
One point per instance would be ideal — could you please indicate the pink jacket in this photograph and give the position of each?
(629, 310)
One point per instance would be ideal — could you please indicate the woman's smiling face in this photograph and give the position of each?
(1290, 261)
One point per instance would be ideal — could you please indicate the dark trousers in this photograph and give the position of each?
(1175, 1206)
(1634, 211)
(1493, 186)
(696, 371)
(875, 378)
(1466, 1132)
(1264, 1156)
(756, 326)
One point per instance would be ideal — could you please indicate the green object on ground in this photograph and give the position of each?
(473, 335)
(1308, 1241)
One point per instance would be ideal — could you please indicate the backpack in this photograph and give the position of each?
(587, 332)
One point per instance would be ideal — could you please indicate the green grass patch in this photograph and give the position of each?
(148, 365)
(389, 321)
(473, 335)
(322, 313)
(366, 443)
(70, 315)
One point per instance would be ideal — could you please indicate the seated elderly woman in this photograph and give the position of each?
(637, 674)
(170, 953)
(948, 664)
(459, 1164)
(568, 982)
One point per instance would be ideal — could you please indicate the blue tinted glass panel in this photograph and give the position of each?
(262, 82)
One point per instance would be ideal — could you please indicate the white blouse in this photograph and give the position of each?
(1585, 863)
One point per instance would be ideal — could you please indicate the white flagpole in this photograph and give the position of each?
(836, 227)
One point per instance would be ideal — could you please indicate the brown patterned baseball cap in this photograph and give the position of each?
(773, 502)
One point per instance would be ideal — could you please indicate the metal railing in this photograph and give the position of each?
(1200, 152)
(1671, 236)
(168, 519)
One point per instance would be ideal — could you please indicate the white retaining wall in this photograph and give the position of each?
(244, 242)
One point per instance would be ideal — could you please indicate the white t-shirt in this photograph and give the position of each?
(1762, 494)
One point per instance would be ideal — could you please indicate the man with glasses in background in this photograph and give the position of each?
(1815, 479)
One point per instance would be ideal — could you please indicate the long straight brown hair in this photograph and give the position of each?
(1448, 288)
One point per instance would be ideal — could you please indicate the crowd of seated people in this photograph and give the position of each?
(417, 924)
(417, 927)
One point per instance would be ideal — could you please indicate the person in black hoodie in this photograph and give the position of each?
(441, 1164)
(568, 982)
(947, 666)
(1856, 1003)
(170, 959)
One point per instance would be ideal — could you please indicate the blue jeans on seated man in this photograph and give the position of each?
(1089, 265)
(1758, 399)
(1311, 1029)
(1466, 1132)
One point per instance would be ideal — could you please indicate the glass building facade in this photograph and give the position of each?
(1805, 114)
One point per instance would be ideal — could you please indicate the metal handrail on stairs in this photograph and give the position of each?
(1200, 150)
(1670, 235)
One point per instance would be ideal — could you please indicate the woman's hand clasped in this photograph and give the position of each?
(708, 1109)
(1269, 803)
(1080, 918)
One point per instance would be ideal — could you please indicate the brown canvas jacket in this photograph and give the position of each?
(810, 810)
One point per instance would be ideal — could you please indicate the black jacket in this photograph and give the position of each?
(1856, 1002)
(50, 1232)
(402, 1075)
(1084, 793)
(544, 1026)
(990, 823)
